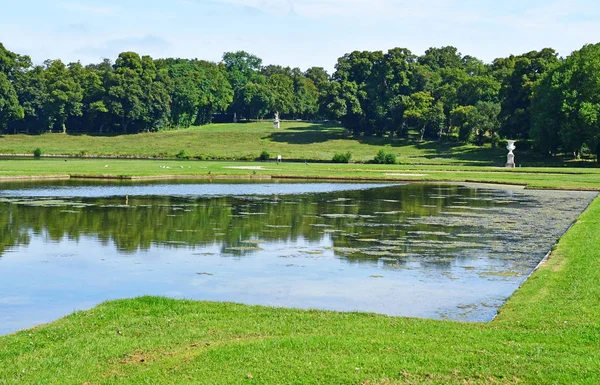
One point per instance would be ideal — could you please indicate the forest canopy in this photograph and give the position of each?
(538, 96)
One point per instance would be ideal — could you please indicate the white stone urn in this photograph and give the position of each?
(510, 158)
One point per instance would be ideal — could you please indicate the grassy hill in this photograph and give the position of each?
(245, 141)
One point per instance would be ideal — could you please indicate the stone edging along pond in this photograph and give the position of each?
(9, 178)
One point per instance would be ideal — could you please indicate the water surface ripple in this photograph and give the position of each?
(439, 251)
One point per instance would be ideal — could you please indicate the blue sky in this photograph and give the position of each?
(296, 33)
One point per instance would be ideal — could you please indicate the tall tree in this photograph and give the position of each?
(242, 68)
(306, 97)
(567, 102)
(439, 58)
(517, 91)
(64, 94)
(421, 111)
(10, 109)
(281, 88)
(484, 120)
(125, 94)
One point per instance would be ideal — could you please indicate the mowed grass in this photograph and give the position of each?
(533, 177)
(295, 140)
(547, 333)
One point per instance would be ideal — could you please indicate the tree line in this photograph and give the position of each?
(552, 101)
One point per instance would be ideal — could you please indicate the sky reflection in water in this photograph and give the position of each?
(425, 250)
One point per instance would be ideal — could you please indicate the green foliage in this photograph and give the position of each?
(373, 94)
(460, 117)
(517, 91)
(341, 157)
(281, 90)
(484, 120)
(182, 155)
(64, 95)
(9, 103)
(566, 104)
(384, 157)
(37, 152)
(264, 155)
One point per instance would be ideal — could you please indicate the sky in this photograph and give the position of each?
(295, 33)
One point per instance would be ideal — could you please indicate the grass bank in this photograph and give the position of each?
(559, 178)
(547, 333)
(295, 140)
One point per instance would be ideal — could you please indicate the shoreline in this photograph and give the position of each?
(332, 178)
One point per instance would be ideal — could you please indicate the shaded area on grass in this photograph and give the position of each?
(296, 140)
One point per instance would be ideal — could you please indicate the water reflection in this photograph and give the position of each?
(428, 250)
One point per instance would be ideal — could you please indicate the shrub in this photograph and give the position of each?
(383, 157)
(37, 152)
(342, 158)
(264, 156)
(182, 155)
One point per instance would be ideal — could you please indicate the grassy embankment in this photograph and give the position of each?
(295, 140)
(418, 161)
(547, 333)
(564, 178)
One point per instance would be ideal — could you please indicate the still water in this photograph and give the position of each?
(425, 250)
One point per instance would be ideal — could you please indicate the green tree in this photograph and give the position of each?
(439, 58)
(10, 109)
(341, 101)
(460, 117)
(421, 111)
(547, 118)
(242, 68)
(281, 89)
(64, 94)
(318, 76)
(484, 120)
(566, 104)
(217, 91)
(306, 97)
(257, 100)
(31, 91)
(125, 93)
(157, 87)
(517, 90)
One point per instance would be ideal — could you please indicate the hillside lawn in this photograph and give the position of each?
(547, 333)
(246, 141)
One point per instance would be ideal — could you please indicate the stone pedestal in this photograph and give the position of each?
(510, 158)
(510, 161)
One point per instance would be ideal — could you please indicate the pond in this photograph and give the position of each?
(442, 251)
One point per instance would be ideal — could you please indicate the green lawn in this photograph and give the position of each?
(295, 140)
(564, 178)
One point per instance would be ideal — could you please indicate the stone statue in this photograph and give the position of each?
(235, 120)
(510, 158)
(276, 122)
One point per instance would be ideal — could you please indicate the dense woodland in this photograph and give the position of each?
(552, 101)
